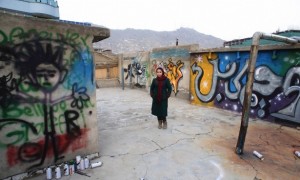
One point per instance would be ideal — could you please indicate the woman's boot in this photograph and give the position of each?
(159, 124)
(165, 124)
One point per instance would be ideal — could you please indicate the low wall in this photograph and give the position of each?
(107, 83)
(47, 92)
(217, 77)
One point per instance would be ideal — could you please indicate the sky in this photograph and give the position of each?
(225, 19)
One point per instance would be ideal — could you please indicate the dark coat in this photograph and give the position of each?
(160, 109)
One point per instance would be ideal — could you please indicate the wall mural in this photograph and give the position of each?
(137, 69)
(219, 79)
(171, 60)
(46, 84)
(172, 71)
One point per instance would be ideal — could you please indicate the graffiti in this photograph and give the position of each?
(30, 152)
(66, 123)
(6, 89)
(137, 70)
(217, 74)
(43, 93)
(174, 73)
(18, 134)
(155, 65)
(19, 34)
(172, 60)
(223, 77)
(291, 85)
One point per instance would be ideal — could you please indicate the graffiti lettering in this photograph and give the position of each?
(291, 85)
(3, 38)
(18, 33)
(32, 110)
(15, 34)
(217, 74)
(71, 127)
(269, 89)
(19, 135)
(237, 84)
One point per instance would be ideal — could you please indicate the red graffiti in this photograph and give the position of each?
(30, 152)
(12, 155)
(81, 141)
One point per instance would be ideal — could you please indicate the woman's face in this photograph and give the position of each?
(159, 73)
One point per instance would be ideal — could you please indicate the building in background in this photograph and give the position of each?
(39, 8)
(236, 43)
(106, 68)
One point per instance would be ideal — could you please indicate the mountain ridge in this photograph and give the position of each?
(133, 40)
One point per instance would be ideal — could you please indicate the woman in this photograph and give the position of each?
(160, 91)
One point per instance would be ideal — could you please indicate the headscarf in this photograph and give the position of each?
(160, 82)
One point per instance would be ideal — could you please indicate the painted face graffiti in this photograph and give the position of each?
(40, 64)
(47, 76)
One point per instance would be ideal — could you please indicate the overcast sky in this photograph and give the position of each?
(225, 19)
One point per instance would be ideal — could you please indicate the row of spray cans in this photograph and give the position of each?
(70, 168)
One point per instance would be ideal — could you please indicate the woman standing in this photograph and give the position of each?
(160, 91)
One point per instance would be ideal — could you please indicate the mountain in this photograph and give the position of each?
(133, 40)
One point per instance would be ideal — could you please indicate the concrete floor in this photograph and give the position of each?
(198, 144)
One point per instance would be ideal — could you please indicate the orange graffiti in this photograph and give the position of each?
(174, 73)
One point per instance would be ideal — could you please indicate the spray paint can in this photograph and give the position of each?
(82, 164)
(78, 158)
(49, 173)
(86, 163)
(297, 153)
(96, 164)
(66, 170)
(77, 166)
(92, 156)
(57, 172)
(72, 167)
(257, 154)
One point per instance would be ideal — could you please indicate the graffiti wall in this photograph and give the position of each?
(176, 62)
(47, 93)
(135, 66)
(219, 79)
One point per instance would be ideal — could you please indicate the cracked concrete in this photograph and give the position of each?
(198, 144)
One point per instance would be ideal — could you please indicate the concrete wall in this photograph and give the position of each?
(137, 64)
(176, 62)
(47, 92)
(218, 79)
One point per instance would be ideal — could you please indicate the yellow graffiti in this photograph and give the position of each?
(174, 73)
(202, 60)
